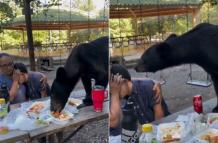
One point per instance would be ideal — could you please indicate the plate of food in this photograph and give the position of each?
(211, 118)
(36, 107)
(170, 132)
(61, 117)
(74, 102)
(3, 130)
(208, 136)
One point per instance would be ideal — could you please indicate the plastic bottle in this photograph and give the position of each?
(129, 133)
(5, 94)
(147, 134)
(3, 108)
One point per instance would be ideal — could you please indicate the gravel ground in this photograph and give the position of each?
(176, 92)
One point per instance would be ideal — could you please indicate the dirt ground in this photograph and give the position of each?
(176, 92)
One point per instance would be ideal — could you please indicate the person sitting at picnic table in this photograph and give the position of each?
(35, 82)
(148, 102)
(10, 78)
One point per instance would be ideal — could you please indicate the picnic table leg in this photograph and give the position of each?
(72, 134)
(28, 140)
(60, 136)
(52, 138)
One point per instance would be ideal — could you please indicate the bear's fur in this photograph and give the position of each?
(86, 61)
(197, 46)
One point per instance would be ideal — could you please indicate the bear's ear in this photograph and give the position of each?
(163, 50)
(172, 36)
(61, 74)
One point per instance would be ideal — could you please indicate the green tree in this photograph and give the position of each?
(86, 5)
(121, 27)
(6, 13)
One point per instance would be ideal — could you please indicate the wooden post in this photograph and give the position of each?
(195, 17)
(29, 33)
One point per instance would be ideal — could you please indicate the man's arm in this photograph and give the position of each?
(115, 111)
(115, 107)
(43, 84)
(15, 86)
(158, 109)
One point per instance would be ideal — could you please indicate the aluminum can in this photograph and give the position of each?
(197, 103)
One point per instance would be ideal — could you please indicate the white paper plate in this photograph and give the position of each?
(169, 128)
(197, 138)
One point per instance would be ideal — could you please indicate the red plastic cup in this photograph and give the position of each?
(98, 96)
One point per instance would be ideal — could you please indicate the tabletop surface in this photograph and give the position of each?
(207, 108)
(84, 116)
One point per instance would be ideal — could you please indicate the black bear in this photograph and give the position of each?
(86, 61)
(198, 46)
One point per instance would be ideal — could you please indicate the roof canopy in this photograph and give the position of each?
(55, 19)
(147, 8)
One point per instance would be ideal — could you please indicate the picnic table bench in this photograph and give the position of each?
(85, 115)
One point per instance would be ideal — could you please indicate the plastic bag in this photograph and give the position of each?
(17, 119)
(71, 109)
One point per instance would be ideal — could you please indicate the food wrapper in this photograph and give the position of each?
(74, 102)
(207, 136)
(171, 131)
(212, 120)
(22, 122)
(17, 119)
(71, 109)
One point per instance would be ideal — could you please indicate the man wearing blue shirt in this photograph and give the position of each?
(10, 77)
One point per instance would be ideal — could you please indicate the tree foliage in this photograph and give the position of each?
(14, 38)
(6, 13)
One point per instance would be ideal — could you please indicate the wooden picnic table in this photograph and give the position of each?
(13, 136)
(207, 108)
(85, 115)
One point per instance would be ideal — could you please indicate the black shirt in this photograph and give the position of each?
(143, 98)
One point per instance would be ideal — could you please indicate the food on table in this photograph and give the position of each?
(213, 119)
(61, 116)
(36, 107)
(169, 138)
(4, 130)
(55, 114)
(170, 132)
(40, 122)
(210, 137)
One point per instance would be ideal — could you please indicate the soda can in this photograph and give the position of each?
(197, 103)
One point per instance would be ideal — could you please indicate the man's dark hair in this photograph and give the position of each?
(21, 67)
(121, 70)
